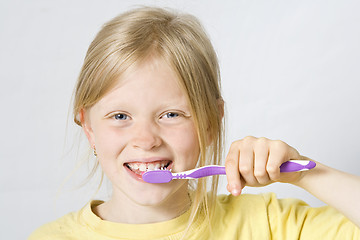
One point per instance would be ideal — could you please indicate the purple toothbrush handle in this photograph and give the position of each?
(206, 171)
(163, 176)
(295, 166)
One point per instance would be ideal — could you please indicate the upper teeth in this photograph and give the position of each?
(147, 166)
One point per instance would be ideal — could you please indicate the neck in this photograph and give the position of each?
(122, 210)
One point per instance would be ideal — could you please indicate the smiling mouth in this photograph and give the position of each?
(140, 168)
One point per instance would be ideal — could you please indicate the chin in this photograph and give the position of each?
(157, 195)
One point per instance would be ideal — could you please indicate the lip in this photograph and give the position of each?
(148, 160)
(134, 175)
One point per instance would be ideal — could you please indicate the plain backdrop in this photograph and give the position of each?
(290, 71)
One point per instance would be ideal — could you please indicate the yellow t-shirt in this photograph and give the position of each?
(243, 217)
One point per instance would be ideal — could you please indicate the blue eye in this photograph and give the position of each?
(171, 115)
(120, 116)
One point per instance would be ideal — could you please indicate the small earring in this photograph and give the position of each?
(95, 154)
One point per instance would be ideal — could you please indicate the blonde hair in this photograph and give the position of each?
(182, 42)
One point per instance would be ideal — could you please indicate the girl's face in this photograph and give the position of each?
(144, 123)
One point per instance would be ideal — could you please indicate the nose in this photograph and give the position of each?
(146, 136)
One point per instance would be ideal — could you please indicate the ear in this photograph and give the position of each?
(221, 106)
(86, 126)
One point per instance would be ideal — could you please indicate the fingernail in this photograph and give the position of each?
(235, 192)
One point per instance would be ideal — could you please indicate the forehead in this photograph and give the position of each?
(150, 80)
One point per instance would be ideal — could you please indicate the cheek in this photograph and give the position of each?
(108, 142)
(186, 146)
(108, 147)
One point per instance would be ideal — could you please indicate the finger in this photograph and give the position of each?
(232, 172)
(261, 151)
(242, 183)
(246, 166)
(278, 153)
(273, 167)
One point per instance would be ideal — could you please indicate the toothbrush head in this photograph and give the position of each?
(157, 176)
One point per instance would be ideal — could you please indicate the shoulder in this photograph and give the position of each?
(287, 218)
(251, 206)
(245, 201)
(62, 228)
(261, 209)
(266, 206)
(75, 225)
(239, 214)
(263, 201)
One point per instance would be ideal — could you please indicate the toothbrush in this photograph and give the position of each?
(164, 176)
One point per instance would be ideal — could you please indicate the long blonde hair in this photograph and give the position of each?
(182, 42)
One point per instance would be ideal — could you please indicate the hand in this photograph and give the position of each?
(256, 162)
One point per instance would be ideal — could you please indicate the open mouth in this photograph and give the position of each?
(140, 168)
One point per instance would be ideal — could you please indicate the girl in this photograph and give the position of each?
(148, 97)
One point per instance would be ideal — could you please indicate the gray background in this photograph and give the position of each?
(290, 71)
